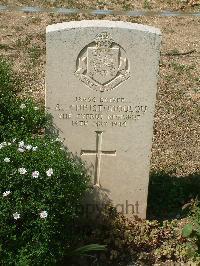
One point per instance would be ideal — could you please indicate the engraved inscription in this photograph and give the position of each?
(102, 65)
(98, 152)
(101, 112)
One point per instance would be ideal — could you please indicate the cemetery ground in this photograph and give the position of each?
(175, 175)
(188, 5)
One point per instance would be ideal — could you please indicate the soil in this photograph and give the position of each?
(176, 142)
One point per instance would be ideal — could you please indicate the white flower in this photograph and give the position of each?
(9, 143)
(29, 147)
(7, 160)
(16, 216)
(22, 171)
(21, 144)
(3, 144)
(21, 150)
(34, 148)
(35, 174)
(14, 140)
(43, 214)
(49, 172)
(22, 106)
(36, 108)
(6, 193)
(57, 139)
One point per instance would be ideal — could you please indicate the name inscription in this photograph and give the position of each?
(101, 111)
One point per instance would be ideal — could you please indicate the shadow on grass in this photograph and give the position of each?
(169, 196)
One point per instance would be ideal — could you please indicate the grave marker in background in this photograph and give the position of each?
(101, 84)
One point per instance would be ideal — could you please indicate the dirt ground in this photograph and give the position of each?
(176, 143)
(111, 4)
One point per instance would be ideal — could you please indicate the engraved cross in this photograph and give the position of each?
(98, 152)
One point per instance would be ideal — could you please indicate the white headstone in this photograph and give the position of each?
(101, 89)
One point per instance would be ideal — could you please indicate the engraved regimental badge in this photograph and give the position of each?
(102, 65)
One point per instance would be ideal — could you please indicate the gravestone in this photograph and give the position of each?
(101, 84)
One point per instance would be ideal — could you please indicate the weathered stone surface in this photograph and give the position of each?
(101, 89)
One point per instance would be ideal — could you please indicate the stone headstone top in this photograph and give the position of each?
(102, 23)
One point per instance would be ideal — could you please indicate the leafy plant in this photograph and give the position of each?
(41, 183)
(6, 77)
(192, 230)
(18, 116)
(41, 186)
(137, 241)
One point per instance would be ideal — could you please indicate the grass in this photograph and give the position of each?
(5, 47)
(147, 4)
(113, 4)
(22, 43)
(34, 53)
(127, 6)
(182, 67)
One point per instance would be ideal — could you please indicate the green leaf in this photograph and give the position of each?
(197, 229)
(85, 249)
(187, 230)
